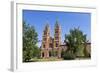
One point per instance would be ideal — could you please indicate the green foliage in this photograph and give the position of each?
(68, 55)
(80, 51)
(29, 42)
(36, 52)
(76, 40)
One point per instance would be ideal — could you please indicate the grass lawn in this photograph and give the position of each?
(53, 59)
(46, 59)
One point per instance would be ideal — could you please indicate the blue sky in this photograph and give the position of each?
(67, 21)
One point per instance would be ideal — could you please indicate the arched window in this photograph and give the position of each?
(43, 54)
(43, 46)
(50, 45)
(56, 44)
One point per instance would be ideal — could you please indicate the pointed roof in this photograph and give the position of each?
(47, 26)
(57, 24)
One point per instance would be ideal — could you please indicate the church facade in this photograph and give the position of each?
(50, 44)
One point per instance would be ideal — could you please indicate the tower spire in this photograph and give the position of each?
(57, 24)
(56, 20)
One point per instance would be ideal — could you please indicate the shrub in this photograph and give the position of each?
(68, 56)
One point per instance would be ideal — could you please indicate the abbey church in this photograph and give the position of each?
(52, 46)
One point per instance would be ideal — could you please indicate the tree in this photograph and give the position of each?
(76, 40)
(29, 41)
(36, 52)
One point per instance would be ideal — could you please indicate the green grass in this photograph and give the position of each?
(46, 59)
(53, 59)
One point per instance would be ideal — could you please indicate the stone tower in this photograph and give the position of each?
(57, 40)
(51, 46)
(45, 42)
